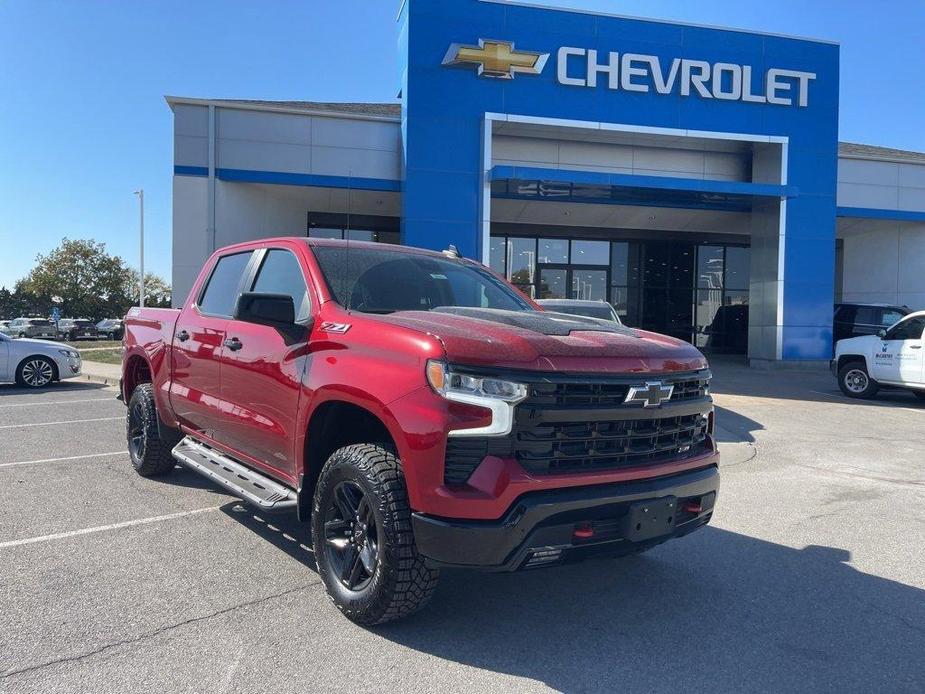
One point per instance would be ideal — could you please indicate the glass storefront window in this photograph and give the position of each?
(619, 263)
(589, 285)
(705, 314)
(521, 262)
(688, 291)
(553, 283)
(496, 258)
(590, 253)
(738, 267)
(710, 267)
(553, 251)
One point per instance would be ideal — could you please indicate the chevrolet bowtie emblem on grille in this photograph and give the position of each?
(496, 59)
(652, 394)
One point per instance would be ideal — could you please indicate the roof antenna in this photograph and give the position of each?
(452, 252)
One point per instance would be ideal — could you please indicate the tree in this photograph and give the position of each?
(84, 281)
(157, 291)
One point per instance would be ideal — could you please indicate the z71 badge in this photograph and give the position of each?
(330, 327)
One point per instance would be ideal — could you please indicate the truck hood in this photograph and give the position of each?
(547, 341)
(856, 344)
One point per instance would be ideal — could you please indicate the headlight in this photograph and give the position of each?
(492, 393)
(70, 353)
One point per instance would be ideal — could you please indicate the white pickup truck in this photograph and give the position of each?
(894, 358)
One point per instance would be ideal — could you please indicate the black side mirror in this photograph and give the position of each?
(274, 310)
(881, 333)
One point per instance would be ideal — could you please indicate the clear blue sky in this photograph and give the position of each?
(83, 121)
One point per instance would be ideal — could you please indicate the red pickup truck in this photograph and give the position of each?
(419, 412)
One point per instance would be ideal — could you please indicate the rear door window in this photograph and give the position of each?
(281, 273)
(224, 285)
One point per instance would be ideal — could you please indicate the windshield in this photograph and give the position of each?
(602, 311)
(382, 281)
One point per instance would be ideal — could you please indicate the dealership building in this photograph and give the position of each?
(690, 175)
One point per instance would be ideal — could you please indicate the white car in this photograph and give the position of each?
(36, 363)
(894, 358)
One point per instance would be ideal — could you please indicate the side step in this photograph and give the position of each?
(253, 487)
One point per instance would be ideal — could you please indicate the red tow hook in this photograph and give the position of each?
(583, 531)
(693, 506)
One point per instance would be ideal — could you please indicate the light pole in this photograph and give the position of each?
(141, 250)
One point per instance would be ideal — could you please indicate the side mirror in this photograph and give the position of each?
(881, 333)
(274, 310)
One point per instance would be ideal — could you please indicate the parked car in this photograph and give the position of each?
(854, 320)
(74, 329)
(418, 412)
(36, 363)
(110, 329)
(576, 307)
(894, 358)
(33, 327)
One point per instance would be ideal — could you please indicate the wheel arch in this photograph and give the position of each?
(848, 358)
(51, 360)
(135, 370)
(333, 424)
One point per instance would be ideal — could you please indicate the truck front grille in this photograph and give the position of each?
(580, 424)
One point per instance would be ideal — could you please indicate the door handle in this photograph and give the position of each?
(234, 344)
(182, 336)
(915, 346)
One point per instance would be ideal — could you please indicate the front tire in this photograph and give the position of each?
(855, 381)
(35, 372)
(364, 544)
(150, 455)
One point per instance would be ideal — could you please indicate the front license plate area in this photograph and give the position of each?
(650, 519)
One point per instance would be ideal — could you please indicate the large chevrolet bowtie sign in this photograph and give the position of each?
(637, 72)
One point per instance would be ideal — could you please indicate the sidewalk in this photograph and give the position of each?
(108, 374)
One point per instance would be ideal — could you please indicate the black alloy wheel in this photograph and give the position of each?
(351, 536)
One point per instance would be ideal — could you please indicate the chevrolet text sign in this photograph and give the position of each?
(636, 72)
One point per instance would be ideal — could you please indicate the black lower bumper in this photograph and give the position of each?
(561, 525)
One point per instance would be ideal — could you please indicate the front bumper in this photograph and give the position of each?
(540, 528)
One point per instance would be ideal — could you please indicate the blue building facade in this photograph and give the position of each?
(778, 96)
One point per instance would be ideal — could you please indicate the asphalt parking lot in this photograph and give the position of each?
(810, 578)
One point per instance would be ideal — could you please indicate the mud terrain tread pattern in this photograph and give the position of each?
(413, 582)
(156, 459)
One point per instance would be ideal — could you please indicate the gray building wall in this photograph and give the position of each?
(882, 260)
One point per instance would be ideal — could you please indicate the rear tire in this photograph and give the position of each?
(855, 381)
(363, 540)
(36, 372)
(150, 454)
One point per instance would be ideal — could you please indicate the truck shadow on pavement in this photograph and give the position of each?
(732, 427)
(717, 611)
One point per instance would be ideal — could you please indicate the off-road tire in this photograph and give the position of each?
(401, 583)
(850, 378)
(149, 453)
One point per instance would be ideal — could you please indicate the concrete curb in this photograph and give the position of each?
(104, 374)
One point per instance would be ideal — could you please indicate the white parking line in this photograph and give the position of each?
(48, 424)
(58, 402)
(104, 528)
(59, 460)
